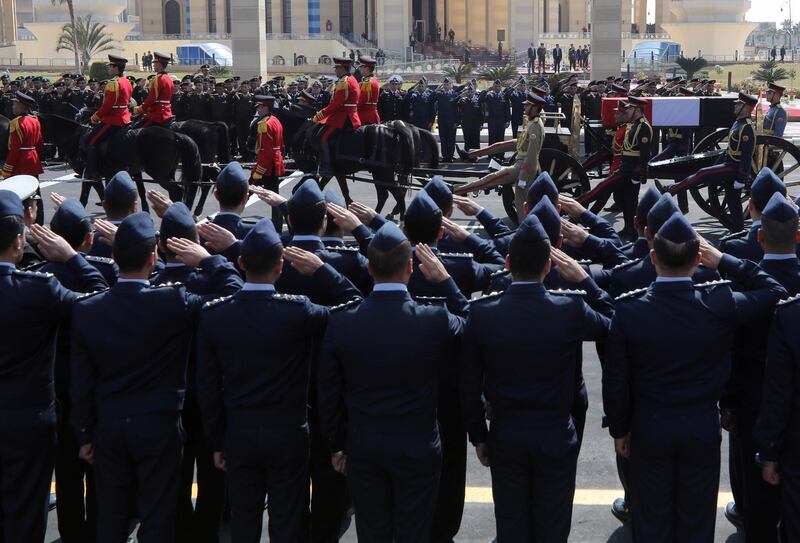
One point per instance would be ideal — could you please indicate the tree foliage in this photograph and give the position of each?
(86, 37)
(71, 10)
(691, 65)
(770, 72)
(505, 73)
(458, 72)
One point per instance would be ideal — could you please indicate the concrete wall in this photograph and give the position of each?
(606, 38)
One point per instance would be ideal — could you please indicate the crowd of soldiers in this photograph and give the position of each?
(268, 359)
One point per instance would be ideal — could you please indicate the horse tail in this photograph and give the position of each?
(428, 140)
(191, 167)
(223, 142)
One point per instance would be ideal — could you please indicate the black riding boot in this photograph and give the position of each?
(325, 165)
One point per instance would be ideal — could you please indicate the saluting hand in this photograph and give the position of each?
(269, 197)
(187, 251)
(574, 235)
(57, 199)
(51, 245)
(344, 219)
(429, 264)
(710, 256)
(454, 230)
(467, 206)
(215, 237)
(159, 201)
(571, 206)
(567, 267)
(364, 213)
(106, 230)
(303, 261)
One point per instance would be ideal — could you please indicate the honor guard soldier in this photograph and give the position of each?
(444, 105)
(775, 119)
(636, 148)
(112, 114)
(532, 447)
(662, 403)
(35, 305)
(128, 389)
(745, 244)
(369, 93)
(418, 103)
(24, 139)
(157, 107)
(381, 423)
(341, 114)
(269, 143)
(733, 174)
(253, 351)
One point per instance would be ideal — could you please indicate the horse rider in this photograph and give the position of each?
(734, 173)
(112, 115)
(369, 93)
(157, 107)
(340, 115)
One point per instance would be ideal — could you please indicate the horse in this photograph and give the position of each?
(382, 150)
(154, 150)
(214, 145)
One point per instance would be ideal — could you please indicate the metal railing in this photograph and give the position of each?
(156, 37)
(421, 66)
(588, 36)
(37, 62)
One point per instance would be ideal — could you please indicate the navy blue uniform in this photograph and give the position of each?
(420, 108)
(641, 273)
(497, 113)
(130, 346)
(533, 444)
(201, 520)
(382, 411)
(517, 100)
(444, 105)
(233, 223)
(254, 352)
(34, 306)
(744, 244)
(346, 260)
(469, 111)
(667, 400)
(776, 433)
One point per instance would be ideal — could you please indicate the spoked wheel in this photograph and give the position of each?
(567, 173)
(781, 156)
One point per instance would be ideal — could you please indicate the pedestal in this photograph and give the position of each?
(249, 39)
(606, 38)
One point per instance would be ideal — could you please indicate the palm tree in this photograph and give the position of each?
(503, 73)
(458, 71)
(74, 48)
(769, 72)
(85, 38)
(691, 65)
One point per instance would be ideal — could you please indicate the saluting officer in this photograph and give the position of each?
(128, 389)
(471, 117)
(231, 189)
(734, 173)
(661, 403)
(418, 105)
(34, 306)
(381, 422)
(390, 101)
(516, 95)
(369, 93)
(157, 107)
(532, 447)
(444, 105)
(497, 111)
(24, 139)
(120, 199)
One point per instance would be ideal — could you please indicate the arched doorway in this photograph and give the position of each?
(172, 17)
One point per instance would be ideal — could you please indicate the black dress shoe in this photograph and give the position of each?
(620, 510)
(732, 514)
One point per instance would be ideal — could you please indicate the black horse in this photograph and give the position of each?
(213, 143)
(382, 150)
(154, 150)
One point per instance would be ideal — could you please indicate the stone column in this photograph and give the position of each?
(606, 56)
(248, 38)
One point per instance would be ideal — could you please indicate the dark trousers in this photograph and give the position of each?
(263, 462)
(761, 500)
(625, 192)
(450, 501)
(393, 480)
(77, 515)
(496, 133)
(674, 474)
(533, 478)
(557, 66)
(790, 495)
(735, 473)
(515, 124)
(472, 137)
(27, 447)
(330, 500)
(724, 174)
(137, 455)
(198, 524)
(447, 139)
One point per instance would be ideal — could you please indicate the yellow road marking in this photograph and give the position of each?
(583, 496)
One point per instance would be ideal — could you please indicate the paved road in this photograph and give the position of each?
(597, 481)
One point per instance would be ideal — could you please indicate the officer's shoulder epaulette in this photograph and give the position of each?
(216, 302)
(501, 272)
(567, 292)
(295, 298)
(430, 300)
(736, 235)
(504, 234)
(486, 297)
(99, 259)
(342, 249)
(717, 283)
(790, 300)
(347, 305)
(33, 267)
(88, 295)
(456, 255)
(172, 284)
(38, 275)
(630, 294)
(625, 247)
(585, 262)
(624, 265)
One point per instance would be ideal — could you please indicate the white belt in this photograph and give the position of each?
(27, 148)
(351, 105)
(276, 148)
(370, 103)
(119, 107)
(163, 102)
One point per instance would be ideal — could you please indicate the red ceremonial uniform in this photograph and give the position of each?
(368, 101)
(269, 159)
(24, 143)
(157, 107)
(114, 109)
(343, 105)
(619, 137)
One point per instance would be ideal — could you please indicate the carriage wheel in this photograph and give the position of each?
(567, 173)
(779, 155)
